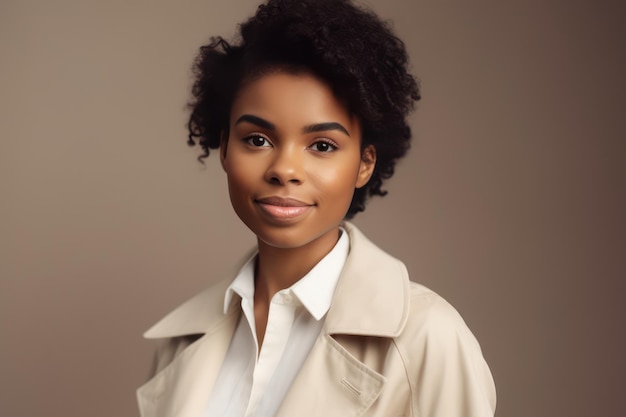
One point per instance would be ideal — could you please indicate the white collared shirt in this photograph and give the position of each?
(253, 383)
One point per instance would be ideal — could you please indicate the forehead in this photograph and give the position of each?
(285, 97)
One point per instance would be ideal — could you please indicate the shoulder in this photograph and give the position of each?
(419, 313)
(435, 331)
(433, 319)
(443, 359)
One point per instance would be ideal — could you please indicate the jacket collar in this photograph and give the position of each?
(355, 310)
(370, 279)
(196, 316)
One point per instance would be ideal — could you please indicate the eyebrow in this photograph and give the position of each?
(323, 127)
(255, 121)
(318, 127)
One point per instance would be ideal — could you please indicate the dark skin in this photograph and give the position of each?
(293, 159)
(278, 269)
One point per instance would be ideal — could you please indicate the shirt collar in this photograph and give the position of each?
(368, 274)
(243, 284)
(314, 291)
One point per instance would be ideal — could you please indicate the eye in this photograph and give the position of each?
(324, 146)
(257, 141)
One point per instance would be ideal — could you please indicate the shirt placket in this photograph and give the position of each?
(279, 323)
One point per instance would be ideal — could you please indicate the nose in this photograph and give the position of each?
(286, 167)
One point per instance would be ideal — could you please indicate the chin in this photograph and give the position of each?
(283, 237)
(293, 236)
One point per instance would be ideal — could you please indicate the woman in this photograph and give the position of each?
(307, 111)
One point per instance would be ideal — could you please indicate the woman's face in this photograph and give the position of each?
(293, 159)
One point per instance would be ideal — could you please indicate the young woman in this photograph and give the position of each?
(307, 112)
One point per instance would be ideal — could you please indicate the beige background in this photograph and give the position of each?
(511, 203)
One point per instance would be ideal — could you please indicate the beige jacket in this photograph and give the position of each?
(389, 347)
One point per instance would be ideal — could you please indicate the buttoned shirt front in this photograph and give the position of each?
(253, 381)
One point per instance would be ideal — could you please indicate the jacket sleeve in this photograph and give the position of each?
(448, 374)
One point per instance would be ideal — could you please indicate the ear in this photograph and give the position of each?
(223, 147)
(366, 169)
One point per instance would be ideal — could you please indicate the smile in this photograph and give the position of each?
(281, 208)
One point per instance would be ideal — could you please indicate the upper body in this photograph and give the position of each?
(308, 113)
(387, 347)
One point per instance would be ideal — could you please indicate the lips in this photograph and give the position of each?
(282, 208)
(282, 202)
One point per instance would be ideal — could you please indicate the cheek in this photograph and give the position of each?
(239, 169)
(238, 187)
(338, 181)
(239, 184)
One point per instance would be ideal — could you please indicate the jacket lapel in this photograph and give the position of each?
(370, 306)
(183, 387)
(330, 375)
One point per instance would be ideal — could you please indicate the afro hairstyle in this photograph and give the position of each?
(346, 46)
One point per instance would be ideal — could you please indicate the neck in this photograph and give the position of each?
(280, 268)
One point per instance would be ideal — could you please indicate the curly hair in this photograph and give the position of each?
(348, 47)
